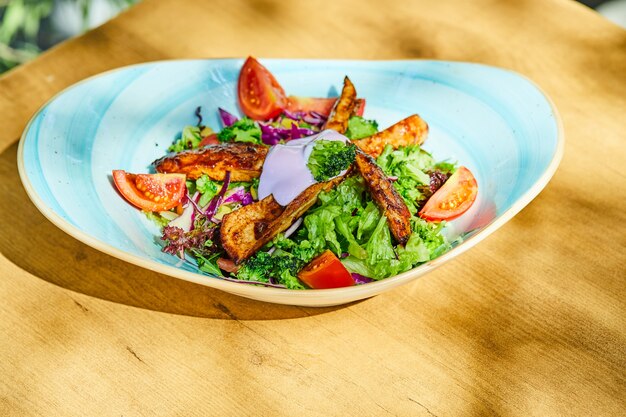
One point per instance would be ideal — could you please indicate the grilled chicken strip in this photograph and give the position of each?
(386, 197)
(241, 228)
(410, 131)
(246, 230)
(244, 161)
(343, 109)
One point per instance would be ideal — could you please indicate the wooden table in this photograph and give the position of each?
(530, 322)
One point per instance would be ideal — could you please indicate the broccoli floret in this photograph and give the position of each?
(258, 268)
(329, 158)
(286, 268)
(281, 266)
(243, 130)
(302, 250)
(359, 127)
(286, 262)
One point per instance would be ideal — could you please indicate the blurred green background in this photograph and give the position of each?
(28, 27)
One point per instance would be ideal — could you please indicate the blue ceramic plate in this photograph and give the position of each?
(495, 122)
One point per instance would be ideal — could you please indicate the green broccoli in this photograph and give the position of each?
(258, 268)
(286, 268)
(329, 158)
(280, 265)
(243, 130)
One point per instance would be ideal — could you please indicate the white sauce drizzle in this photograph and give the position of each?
(285, 173)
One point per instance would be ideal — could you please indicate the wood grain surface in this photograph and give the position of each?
(531, 322)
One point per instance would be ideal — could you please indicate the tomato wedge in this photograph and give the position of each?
(359, 107)
(309, 104)
(260, 95)
(319, 105)
(326, 271)
(151, 192)
(453, 198)
(209, 140)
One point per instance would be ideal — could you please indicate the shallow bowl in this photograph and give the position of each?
(495, 122)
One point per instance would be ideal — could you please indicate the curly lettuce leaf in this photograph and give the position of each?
(243, 130)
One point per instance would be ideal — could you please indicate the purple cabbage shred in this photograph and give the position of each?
(239, 196)
(227, 118)
(271, 135)
(360, 279)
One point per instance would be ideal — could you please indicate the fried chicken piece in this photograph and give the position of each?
(246, 230)
(410, 131)
(386, 197)
(343, 108)
(243, 160)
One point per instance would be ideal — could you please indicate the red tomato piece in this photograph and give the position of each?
(209, 140)
(260, 96)
(309, 104)
(227, 265)
(319, 105)
(326, 271)
(359, 108)
(454, 197)
(151, 192)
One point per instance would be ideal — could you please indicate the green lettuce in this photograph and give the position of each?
(243, 130)
(189, 139)
(359, 127)
(347, 221)
(411, 165)
(208, 188)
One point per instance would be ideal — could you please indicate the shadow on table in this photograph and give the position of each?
(37, 246)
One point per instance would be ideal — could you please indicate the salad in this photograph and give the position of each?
(300, 192)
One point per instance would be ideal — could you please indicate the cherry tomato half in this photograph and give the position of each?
(151, 192)
(260, 95)
(326, 271)
(453, 198)
(319, 105)
(209, 140)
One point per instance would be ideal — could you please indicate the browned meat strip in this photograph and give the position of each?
(241, 228)
(245, 231)
(343, 109)
(386, 197)
(244, 161)
(410, 131)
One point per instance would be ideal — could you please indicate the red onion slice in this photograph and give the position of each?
(217, 200)
(185, 220)
(227, 118)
